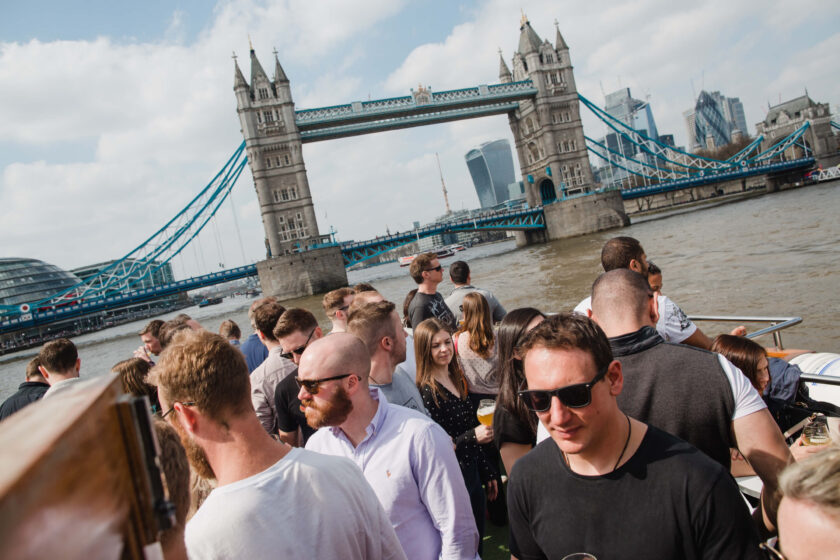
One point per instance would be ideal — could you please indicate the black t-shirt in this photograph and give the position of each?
(508, 428)
(289, 415)
(424, 306)
(668, 501)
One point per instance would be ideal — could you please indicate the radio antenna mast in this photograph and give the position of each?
(442, 184)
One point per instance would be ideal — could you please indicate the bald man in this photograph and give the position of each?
(696, 395)
(407, 458)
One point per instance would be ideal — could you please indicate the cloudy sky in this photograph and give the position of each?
(113, 116)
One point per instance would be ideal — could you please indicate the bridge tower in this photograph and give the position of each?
(548, 130)
(549, 141)
(296, 262)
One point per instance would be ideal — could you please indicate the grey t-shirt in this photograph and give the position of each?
(456, 300)
(402, 391)
(424, 306)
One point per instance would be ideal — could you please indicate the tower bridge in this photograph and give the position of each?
(539, 96)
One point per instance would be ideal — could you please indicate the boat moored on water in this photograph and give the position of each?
(442, 253)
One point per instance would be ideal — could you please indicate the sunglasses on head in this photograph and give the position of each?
(572, 396)
(312, 386)
(299, 350)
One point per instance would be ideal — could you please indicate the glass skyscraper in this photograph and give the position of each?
(491, 168)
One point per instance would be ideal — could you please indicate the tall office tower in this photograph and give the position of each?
(714, 119)
(690, 118)
(491, 168)
(634, 113)
(711, 129)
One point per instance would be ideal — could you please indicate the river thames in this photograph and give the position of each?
(771, 255)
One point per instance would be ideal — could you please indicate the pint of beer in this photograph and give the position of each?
(486, 408)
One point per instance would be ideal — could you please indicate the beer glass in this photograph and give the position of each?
(486, 408)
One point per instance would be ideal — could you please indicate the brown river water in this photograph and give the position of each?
(771, 255)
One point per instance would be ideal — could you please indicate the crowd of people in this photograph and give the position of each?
(617, 427)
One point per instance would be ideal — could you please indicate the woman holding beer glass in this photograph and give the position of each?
(444, 390)
(751, 358)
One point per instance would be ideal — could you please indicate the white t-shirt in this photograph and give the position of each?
(305, 506)
(673, 324)
(746, 397)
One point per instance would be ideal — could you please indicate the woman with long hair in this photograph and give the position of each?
(476, 347)
(132, 374)
(514, 425)
(750, 357)
(444, 390)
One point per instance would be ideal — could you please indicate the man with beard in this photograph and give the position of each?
(271, 501)
(406, 457)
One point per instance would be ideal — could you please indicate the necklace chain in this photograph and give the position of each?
(626, 441)
(623, 449)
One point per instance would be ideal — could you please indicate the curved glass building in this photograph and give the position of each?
(28, 280)
(491, 168)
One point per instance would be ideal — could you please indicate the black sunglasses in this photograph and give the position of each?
(312, 386)
(572, 396)
(438, 268)
(184, 403)
(299, 350)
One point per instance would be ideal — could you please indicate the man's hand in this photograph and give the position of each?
(483, 434)
(800, 451)
(740, 330)
(143, 354)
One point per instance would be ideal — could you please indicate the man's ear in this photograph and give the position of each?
(386, 343)
(653, 305)
(318, 333)
(44, 372)
(260, 335)
(635, 266)
(78, 365)
(187, 416)
(590, 315)
(615, 378)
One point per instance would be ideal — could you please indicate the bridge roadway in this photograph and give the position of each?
(355, 252)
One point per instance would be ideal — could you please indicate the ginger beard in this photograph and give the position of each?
(195, 454)
(330, 413)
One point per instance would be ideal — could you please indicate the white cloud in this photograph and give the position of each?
(163, 113)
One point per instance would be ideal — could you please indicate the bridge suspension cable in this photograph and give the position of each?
(140, 264)
(651, 159)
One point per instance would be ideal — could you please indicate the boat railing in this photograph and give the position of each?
(824, 379)
(777, 324)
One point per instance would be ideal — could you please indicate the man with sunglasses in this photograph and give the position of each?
(336, 303)
(295, 330)
(273, 370)
(695, 395)
(427, 272)
(405, 456)
(605, 483)
(271, 501)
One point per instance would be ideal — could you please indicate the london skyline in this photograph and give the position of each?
(114, 122)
